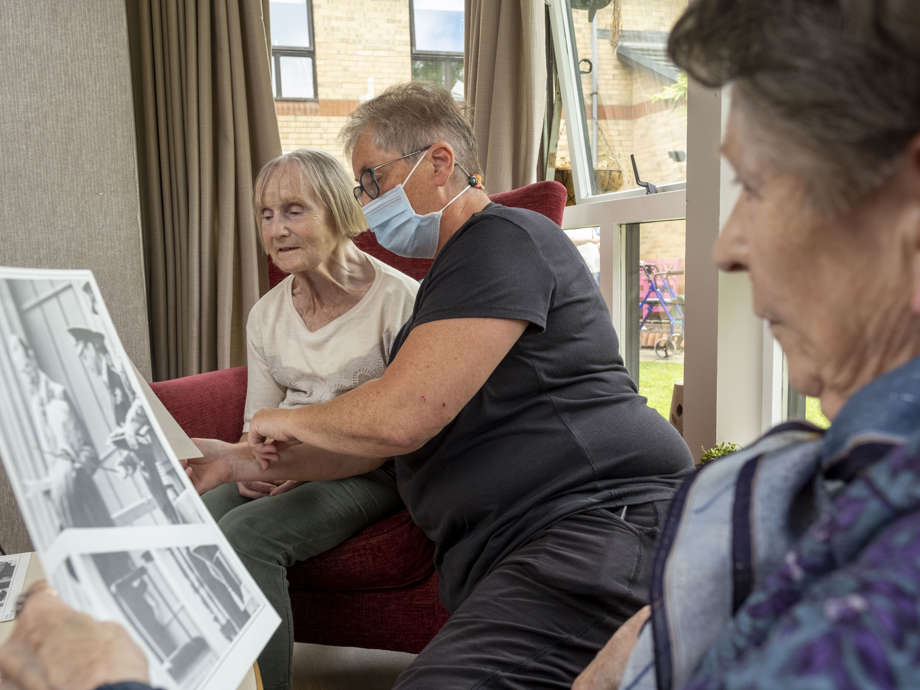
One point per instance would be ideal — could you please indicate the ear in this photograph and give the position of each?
(442, 159)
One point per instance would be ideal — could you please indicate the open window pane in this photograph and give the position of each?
(290, 23)
(633, 98)
(660, 311)
(296, 77)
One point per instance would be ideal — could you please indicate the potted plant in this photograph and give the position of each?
(717, 451)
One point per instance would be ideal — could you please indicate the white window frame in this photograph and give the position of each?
(733, 372)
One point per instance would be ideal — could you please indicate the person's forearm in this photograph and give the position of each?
(303, 462)
(365, 422)
(298, 462)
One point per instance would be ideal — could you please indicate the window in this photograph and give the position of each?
(293, 64)
(621, 155)
(437, 43)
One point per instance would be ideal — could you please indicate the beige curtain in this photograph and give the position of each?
(205, 125)
(505, 83)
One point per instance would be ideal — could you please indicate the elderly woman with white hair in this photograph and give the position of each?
(810, 575)
(323, 330)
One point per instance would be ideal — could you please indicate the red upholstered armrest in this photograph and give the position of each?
(207, 405)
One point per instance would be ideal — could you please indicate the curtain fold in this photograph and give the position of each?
(505, 85)
(205, 118)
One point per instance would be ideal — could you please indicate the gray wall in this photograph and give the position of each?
(68, 174)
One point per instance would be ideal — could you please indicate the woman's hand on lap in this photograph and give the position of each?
(221, 462)
(258, 489)
(285, 486)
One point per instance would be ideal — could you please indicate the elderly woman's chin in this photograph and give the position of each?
(805, 363)
(290, 260)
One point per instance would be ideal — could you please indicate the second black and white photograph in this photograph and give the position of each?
(187, 605)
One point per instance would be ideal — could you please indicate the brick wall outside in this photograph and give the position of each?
(364, 46)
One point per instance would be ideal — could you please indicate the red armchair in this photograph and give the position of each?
(378, 589)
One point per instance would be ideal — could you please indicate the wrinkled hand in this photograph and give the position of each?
(52, 646)
(606, 670)
(257, 489)
(218, 464)
(285, 486)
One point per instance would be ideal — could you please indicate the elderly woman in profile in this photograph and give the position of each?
(326, 328)
(811, 572)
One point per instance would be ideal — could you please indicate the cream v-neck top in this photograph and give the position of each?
(291, 366)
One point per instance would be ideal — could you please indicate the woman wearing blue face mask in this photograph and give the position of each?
(521, 446)
(393, 220)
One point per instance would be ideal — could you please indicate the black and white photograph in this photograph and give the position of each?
(12, 575)
(86, 453)
(116, 524)
(186, 606)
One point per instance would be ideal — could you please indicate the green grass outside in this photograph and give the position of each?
(656, 382)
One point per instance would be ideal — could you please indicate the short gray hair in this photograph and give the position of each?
(327, 178)
(408, 117)
(833, 85)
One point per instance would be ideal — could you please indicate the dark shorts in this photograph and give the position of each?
(539, 617)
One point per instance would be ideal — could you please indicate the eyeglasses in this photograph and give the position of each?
(368, 184)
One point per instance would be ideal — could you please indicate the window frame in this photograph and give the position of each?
(733, 372)
(280, 51)
(438, 55)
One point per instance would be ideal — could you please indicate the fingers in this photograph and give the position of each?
(55, 646)
(249, 493)
(258, 446)
(38, 592)
(37, 588)
(264, 453)
(255, 489)
(266, 456)
(41, 586)
(285, 486)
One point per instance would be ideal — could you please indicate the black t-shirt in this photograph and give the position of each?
(557, 428)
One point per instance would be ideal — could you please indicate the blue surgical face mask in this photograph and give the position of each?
(399, 228)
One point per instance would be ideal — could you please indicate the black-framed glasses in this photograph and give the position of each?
(367, 182)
